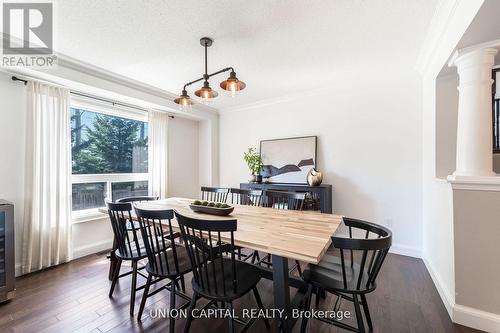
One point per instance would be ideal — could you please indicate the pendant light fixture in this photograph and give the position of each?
(184, 101)
(206, 92)
(232, 85)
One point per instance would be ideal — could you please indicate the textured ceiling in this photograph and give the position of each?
(277, 47)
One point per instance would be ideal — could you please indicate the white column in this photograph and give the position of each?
(474, 132)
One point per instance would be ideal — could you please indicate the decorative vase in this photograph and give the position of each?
(314, 177)
(253, 178)
(258, 179)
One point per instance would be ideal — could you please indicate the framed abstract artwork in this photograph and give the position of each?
(288, 160)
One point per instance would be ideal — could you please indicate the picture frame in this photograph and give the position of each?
(288, 160)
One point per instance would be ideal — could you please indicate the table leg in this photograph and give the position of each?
(281, 292)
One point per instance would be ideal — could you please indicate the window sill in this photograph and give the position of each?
(88, 216)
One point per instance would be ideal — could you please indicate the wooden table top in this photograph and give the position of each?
(300, 235)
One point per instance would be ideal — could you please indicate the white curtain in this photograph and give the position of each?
(47, 215)
(158, 153)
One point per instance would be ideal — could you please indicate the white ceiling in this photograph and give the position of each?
(277, 47)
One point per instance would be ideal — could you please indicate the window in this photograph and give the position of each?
(109, 153)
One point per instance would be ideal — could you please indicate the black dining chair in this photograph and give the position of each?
(288, 201)
(216, 194)
(217, 277)
(246, 197)
(166, 259)
(138, 199)
(129, 225)
(352, 275)
(127, 246)
(285, 200)
(135, 224)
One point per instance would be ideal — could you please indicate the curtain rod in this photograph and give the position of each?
(15, 78)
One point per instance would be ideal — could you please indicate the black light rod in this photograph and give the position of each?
(221, 71)
(209, 75)
(206, 60)
(15, 78)
(190, 83)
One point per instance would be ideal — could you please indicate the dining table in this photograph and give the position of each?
(284, 234)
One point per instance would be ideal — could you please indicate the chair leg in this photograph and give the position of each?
(318, 295)
(255, 257)
(183, 284)
(172, 306)
(116, 273)
(307, 305)
(133, 287)
(299, 269)
(261, 306)
(113, 260)
(229, 306)
(190, 313)
(359, 317)
(367, 311)
(144, 297)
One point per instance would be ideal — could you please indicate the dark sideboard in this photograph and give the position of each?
(318, 198)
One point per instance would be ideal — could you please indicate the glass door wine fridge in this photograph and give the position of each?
(7, 273)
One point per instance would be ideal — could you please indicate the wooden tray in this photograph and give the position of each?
(211, 210)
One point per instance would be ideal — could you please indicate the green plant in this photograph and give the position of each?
(253, 160)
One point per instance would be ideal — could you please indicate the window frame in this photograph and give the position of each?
(96, 106)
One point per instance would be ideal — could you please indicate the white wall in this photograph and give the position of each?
(368, 146)
(446, 124)
(12, 138)
(183, 166)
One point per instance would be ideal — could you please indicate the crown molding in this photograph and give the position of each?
(437, 28)
(450, 20)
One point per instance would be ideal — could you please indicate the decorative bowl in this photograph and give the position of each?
(211, 210)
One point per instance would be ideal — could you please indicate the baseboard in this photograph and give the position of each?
(406, 250)
(92, 248)
(448, 300)
(79, 252)
(478, 319)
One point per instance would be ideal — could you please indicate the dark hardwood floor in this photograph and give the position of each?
(74, 298)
